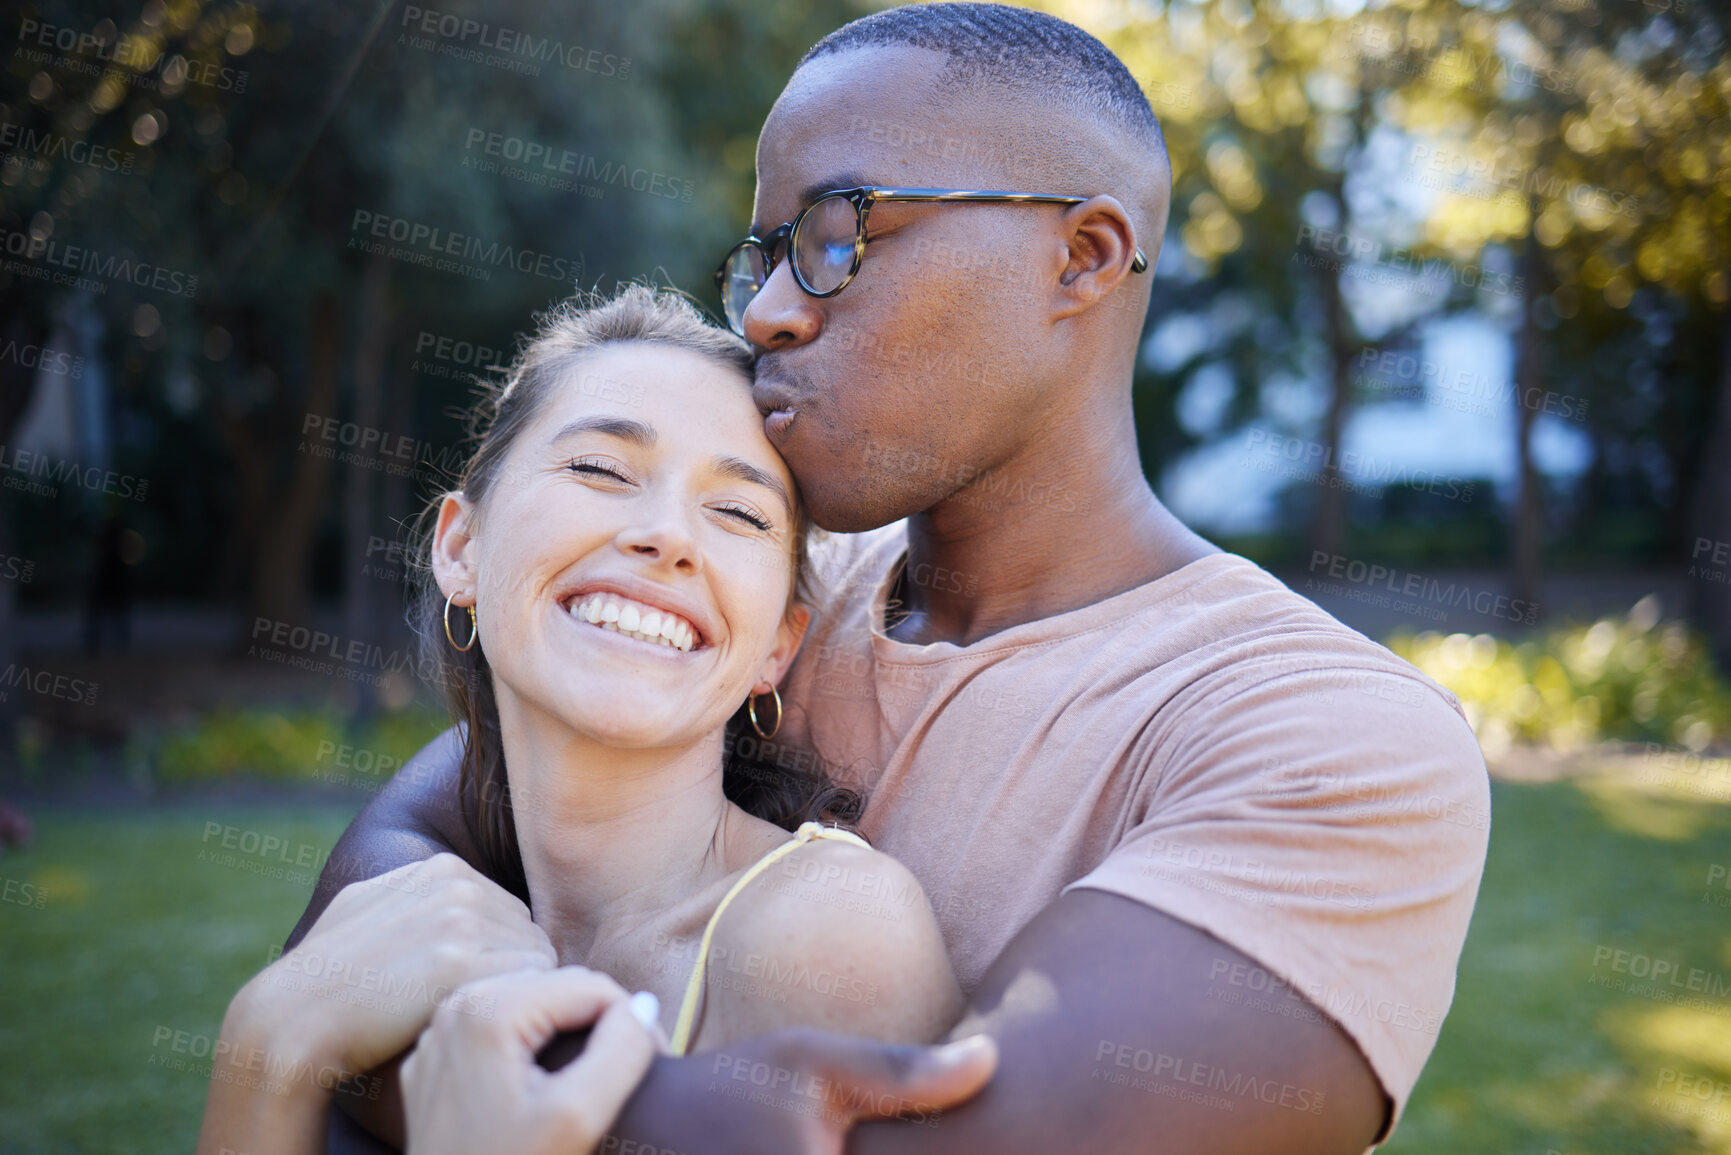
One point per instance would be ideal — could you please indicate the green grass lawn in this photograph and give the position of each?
(1535, 1056)
(138, 935)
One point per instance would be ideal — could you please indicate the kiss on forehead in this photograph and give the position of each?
(1051, 708)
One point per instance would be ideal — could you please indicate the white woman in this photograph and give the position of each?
(618, 572)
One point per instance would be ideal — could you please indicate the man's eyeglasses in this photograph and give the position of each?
(828, 240)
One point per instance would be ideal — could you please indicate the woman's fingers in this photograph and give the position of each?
(474, 1083)
(532, 1005)
(613, 1062)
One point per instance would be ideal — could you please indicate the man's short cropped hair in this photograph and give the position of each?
(995, 44)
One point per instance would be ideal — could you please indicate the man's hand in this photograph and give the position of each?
(800, 1090)
(473, 1083)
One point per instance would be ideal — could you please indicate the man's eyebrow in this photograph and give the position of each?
(841, 181)
(743, 470)
(814, 190)
(624, 428)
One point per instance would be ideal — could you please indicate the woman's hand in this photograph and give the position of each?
(386, 955)
(473, 1083)
(356, 992)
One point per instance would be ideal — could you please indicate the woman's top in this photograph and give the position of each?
(691, 1006)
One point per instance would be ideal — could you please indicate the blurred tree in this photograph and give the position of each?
(252, 141)
(247, 139)
(1585, 130)
(1595, 145)
(1250, 100)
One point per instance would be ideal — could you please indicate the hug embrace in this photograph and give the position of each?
(839, 685)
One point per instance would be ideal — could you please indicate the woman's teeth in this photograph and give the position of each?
(634, 619)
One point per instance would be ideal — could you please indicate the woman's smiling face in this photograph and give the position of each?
(631, 564)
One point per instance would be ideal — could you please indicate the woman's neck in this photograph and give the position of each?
(611, 837)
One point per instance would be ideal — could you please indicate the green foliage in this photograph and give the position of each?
(285, 744)
(1626, 678)
(1592, 128)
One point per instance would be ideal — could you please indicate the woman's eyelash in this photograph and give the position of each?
(745, 514)
(589, 466)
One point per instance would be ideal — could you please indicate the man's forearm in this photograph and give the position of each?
(415, 816)
(1107, 1041)
(1100, 1007)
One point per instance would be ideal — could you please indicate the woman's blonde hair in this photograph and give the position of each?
(564, 336)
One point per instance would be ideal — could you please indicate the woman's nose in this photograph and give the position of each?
(666, 540)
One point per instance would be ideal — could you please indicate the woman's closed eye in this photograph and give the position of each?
(745, 514)
(601, 469)
(596, 467)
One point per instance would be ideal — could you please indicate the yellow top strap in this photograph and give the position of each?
(692, 1004)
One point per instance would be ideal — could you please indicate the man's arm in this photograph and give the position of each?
(415, 816)
(1091, 972)
(1112, 1035)
(1116, 1033)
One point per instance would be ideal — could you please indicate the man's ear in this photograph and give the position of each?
(453, 549)
(1102, 249)
(788, 636)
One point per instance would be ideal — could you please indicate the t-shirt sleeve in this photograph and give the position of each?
(1330, 823)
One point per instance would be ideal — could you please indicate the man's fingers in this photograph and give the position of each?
(878, 1080)
(950, 1075)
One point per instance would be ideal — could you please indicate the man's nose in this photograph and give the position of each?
(782, 315)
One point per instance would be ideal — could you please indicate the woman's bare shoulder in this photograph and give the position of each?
(832, 935)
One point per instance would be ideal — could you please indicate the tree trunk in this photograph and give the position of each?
(281, 565)
(1710, 547)
(360, 481)
(17, 390)
(401, 494)
(1529, 519)
(1328, 522)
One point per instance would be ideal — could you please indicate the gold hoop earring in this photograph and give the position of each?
(474, 628)
(751, 712)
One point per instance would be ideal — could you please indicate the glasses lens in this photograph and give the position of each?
(741, 278)
(823, 244)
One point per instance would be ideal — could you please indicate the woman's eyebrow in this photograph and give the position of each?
(636, 432)
(745, 471)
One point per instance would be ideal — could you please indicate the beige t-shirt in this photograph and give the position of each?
(1210, 744)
